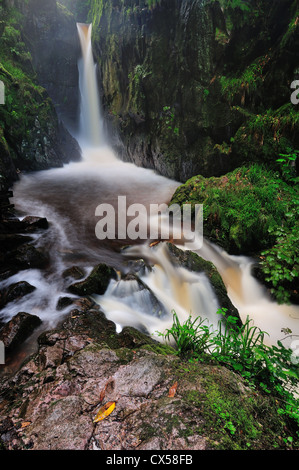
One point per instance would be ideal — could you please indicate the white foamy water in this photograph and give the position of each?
(68, 198)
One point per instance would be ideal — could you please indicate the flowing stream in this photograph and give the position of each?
(68, 198)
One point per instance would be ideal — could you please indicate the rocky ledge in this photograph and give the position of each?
(161, 402)
(158, 400)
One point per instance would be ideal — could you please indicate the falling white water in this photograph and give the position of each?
(68, 198)
(91, 123)
(251, 298)
(192, 294)
(175, 288)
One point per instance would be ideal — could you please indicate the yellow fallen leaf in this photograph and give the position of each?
(104, 411)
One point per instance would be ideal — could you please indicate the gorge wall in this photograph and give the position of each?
(38, 66)
(198, 86)
(188, 86)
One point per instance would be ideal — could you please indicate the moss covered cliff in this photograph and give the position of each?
(32, 137)
(198, 86)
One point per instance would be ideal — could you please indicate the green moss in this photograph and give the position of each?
(235, 418)
(240, 207)
(262, 137)
(125, 355)
(251, 211)
(247, 83)
(64, 10)
(28, 114)
(162, 349)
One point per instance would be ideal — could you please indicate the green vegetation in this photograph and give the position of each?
(243, 5)
(27, 106)
(255, 211)
(153, 3)
(264, 136)
(248, 82)
(169, 120)
(280, 263)
(273, 370)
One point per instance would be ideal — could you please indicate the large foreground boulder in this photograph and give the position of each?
(161, 402)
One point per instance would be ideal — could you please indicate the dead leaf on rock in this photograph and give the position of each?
(25, 424)
(109, 385)
(172, 390)
(104, 411)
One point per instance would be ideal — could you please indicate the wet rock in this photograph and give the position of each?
(33, 223)
(15, 292)
(10, 241)
(139, 267)
(131, 283)
(74, 272)
(12, 225)
(7, 271)
(64, 302)
(28, 224)
(18, 329)
(27, 256)
(96, 283)
(83, 364)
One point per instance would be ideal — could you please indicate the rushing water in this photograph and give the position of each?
(68, 197)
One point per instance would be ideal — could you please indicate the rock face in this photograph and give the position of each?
(188, 84)
(51, 34)
(17, 252)
(15, 292)
(32, 137)
(19, 328)
(51, 402)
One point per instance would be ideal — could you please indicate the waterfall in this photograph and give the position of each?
(173, 287)
(91, 122)
(68, 197)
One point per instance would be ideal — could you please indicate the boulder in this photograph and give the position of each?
(18, 329)
(96, 283)
(84, 364)
(73, 272)
(10, 241)
(33, 223)
(15, 292)
(27, 256)
(64, 302)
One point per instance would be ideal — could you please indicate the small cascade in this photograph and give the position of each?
(174, 289)
(251, 298)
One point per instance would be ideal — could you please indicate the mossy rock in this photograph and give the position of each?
(240, 207)
(96, 283)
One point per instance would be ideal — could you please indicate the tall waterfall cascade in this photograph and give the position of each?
(68, 197)
(91, 122)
